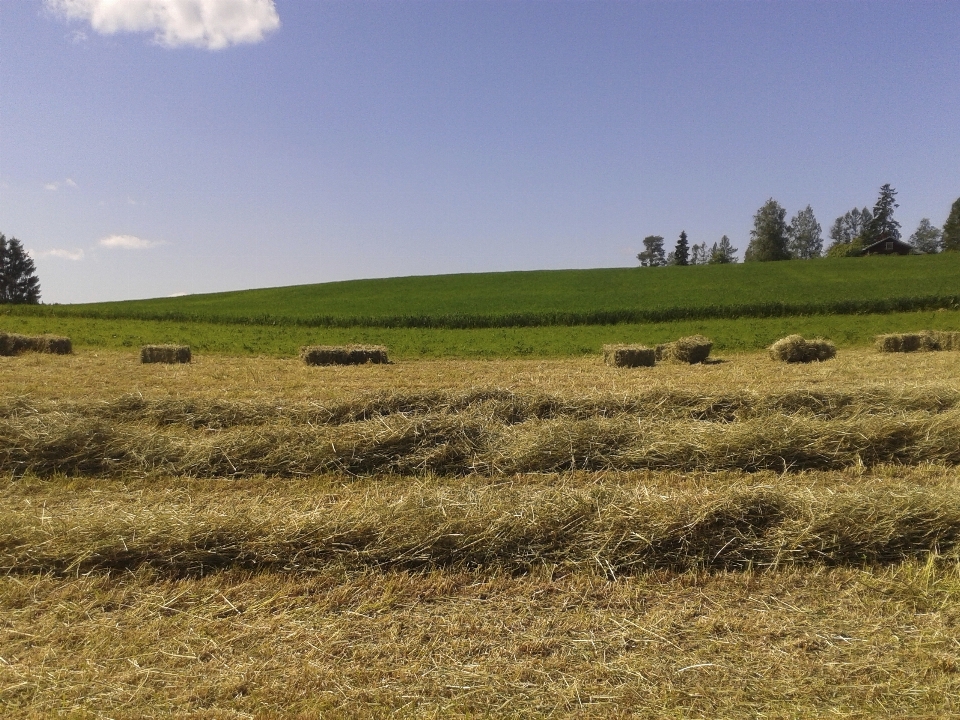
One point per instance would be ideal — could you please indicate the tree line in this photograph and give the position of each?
(773, 238)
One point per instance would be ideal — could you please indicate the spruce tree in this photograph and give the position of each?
(18, 279)
(951, 229)
(681, 254)
(723, 253)
(883, 225)
(768, 239)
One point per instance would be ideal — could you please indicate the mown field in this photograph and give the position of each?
(570, 297)
(249, 536)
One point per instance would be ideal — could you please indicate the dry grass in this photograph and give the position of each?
(795, 349)
(15, 344)
(165, 354)
(344, 354)
(129, 590)
(926, 341)
(629, 356)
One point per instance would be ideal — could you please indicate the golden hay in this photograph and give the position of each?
(15, 344)
(693, 349)
(344, 354)
(165, 354)
(629, 355)
(924, 341)
(794, 348)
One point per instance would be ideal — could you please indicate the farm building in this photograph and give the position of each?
(888, 246)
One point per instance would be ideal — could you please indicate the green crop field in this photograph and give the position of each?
(570, 297)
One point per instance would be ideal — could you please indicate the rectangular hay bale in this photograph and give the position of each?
(165, 354)
(629, 355)
(924, 341)
(344, 354)
(795, 349)
(15, 344)
(692, 349)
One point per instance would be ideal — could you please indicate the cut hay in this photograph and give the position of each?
(924, 341)
(165, 354)
(629, 355)
(344, 354)
(14, 344)
(693, 349)
(794, 349)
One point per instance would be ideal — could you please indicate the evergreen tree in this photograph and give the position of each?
(883, 225)
(18, 275)
(805, 240)
(951, 229)
(681, 254)
(768, 239)
(723, 253)
(652, 255)
(847, 233)
(926, 239)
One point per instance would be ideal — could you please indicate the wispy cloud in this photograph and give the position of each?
(211, 24)
(70, 183)
(127, 242)
(63, 254)
(57, 184)
(51, 186)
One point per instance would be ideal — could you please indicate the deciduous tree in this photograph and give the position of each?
(652, 254)
(768, 239)
(805, 239)
(926, 238)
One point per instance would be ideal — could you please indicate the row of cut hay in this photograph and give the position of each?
(467, 443)
(344, 354)
(925, 341)
(171, 354)
(692, 350)
(795, 349)
(618, 530)
(497, 405)
(16, 344)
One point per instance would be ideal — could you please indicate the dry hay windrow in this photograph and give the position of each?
(925, 341)
(693, 349)
(796, 349)
(16, 344)
(629, 355)
(515, 527)
(344, 354)
(471, 441)
(172, 354)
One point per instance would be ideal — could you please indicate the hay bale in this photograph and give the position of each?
(629, 355)
(15, 344)
(925, 341)
(948, 340)
(795, 349)
(165, 354)
(344, 354)
(693, 349)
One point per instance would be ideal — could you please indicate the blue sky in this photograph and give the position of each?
(256, 143)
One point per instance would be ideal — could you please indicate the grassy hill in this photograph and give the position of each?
(570, 297)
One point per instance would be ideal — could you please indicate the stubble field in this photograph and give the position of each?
(251, 537)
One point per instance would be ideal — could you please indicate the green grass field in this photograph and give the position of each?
(571, 297)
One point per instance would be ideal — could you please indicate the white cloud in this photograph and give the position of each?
(127, 242)
(70, 182)
(211, 24)
(51, 186)
(64, 254)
